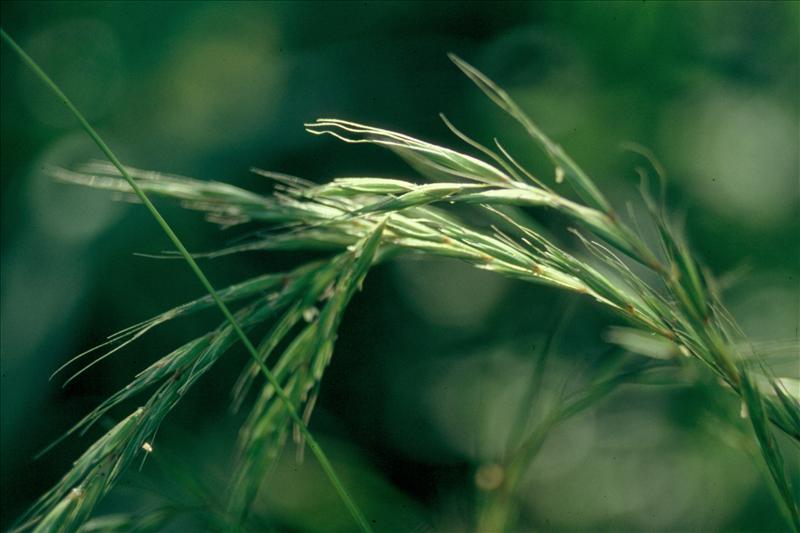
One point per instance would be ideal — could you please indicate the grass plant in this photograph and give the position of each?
(361, 221)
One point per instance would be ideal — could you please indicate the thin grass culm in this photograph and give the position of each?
(669, 302)
(115, 451)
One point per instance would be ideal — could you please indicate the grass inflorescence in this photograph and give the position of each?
(365, 220)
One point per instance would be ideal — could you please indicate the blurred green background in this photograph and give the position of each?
(432, 356)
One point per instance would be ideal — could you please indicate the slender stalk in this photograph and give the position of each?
(352, 507)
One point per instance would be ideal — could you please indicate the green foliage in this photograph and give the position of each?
(371, 219)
